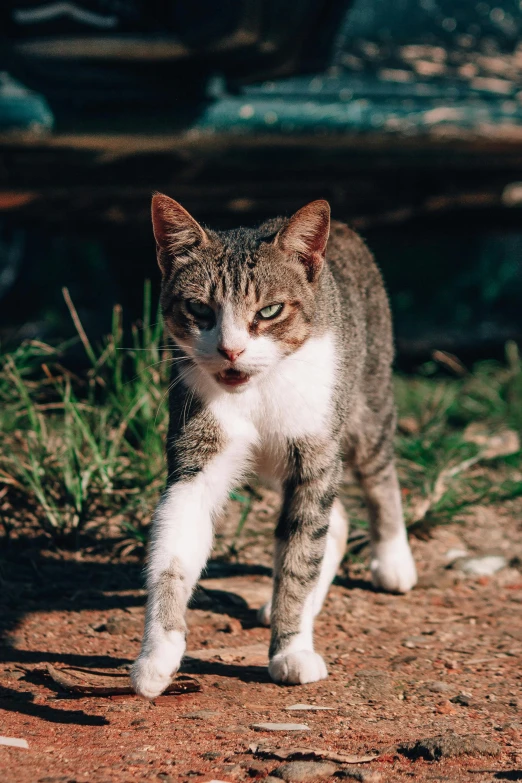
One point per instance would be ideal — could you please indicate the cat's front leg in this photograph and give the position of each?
(309, 493)
(335, 549)
(181, 543)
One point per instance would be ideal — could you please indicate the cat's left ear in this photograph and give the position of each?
(306, 236)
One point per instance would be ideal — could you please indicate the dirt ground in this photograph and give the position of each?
(427, 686)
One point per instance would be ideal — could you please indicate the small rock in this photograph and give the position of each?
(14, 742)
(455, 554)
(461, 699)
(200, 714)
(416, 641)
(362, 775)
(280, 727)
(13, 675)
(487, 565)
(439, 687)
(119, 626)
(447, 746)
(310, 707)
(300, 771)
(211, 755)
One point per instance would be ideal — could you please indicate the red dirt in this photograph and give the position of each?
(443, 660)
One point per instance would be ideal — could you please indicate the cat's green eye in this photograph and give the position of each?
(270, 311)
(199, 309)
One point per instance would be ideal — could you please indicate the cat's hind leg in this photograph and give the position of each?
(392, 565)
(334, 552)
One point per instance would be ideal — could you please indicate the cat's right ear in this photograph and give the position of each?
(175, 231)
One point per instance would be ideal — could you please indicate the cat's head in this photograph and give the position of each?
(239, 301)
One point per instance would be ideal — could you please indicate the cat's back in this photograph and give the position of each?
(350, 260)
(365, 311)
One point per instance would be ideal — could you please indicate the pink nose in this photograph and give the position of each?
(231, 353)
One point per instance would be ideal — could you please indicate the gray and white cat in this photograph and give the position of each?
(282, 366)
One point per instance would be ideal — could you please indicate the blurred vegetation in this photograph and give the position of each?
(78, 449)
(83, 453)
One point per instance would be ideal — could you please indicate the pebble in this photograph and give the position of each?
(439, 687)
(462, 699)
(448, 746)
(280, 727)
(14, 742)
(300, 771)
(361, 775)
(200, 714)
(455, 554)
(487, 565)
(416, 641)
(310, 707)
(120, 626)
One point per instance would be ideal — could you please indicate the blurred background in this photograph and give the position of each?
(406, 116)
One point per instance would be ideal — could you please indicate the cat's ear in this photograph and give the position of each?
(306, 236)
(175, 230)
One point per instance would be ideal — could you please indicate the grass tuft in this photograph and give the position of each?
(85, 452)
(80, 450)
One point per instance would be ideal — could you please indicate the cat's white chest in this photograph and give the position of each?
(294, 402)
(297, 401)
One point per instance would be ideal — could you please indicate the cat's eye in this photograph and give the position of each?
(270, 311)
(200, 309)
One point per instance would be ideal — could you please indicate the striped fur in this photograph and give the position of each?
(315, 390)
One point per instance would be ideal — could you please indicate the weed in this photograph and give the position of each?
(86, 451)
(77, 450)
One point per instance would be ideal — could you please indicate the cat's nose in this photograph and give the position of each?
(230, 353)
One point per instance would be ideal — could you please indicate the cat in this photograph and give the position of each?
(283, 352)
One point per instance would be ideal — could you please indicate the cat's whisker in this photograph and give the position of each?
(182, 375)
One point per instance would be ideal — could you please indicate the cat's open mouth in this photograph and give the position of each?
(232, 377)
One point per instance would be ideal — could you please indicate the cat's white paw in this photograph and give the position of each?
(263, 614)
(297, 668)
(392, 566)
(148, 679)
(153, 671)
